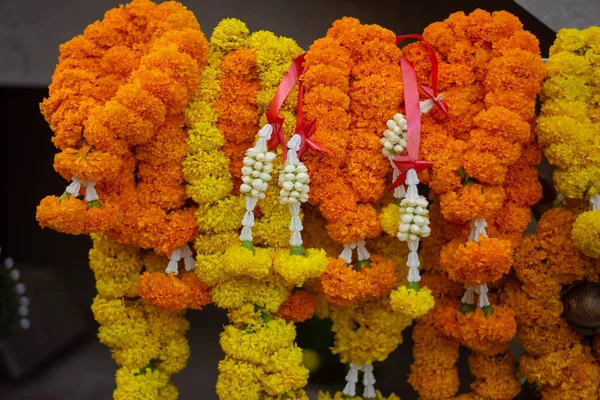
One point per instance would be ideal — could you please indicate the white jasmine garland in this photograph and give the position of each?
(394, 137)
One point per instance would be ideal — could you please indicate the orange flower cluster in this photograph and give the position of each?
(346, 182)
(115, 107)
(343, 284)
(477, 263)
(299, 306)
(545, 262)
(433, 373)
(237, 109)
(169, 293)
(484, 151)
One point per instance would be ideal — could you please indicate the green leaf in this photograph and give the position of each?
(414, 286)
(94, 204)
(298, 251)
(249, 245)
(465, 308)
(363, 264)
(488, 310)
(65, 196)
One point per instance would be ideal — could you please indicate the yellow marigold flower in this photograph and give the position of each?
(119, 335)
(174, 355)
(367, 332)
(273, 229)
(236, 292)
(110, 259)
(390, 219)
(411, 303)
(199, 112)
(216, 243)
(224, 215)
(167, 325)
(206, 162)
(209, 189)
(229, 34)
(586, 233)
(566, 63)
(240, 261)
(131, 384)
(568, 40)
(294, 376)
(297, 269)
(258, 342)
(169, 392)
(109, 311)
(113, 288)
(238, 381)
(246, 314)
(208, 268)
(139, 355)
(203, 136)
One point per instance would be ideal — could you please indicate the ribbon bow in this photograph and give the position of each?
(304, 129)
(431, 92)
(413, 122)
(283, 90)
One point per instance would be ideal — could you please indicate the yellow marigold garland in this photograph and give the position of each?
(149, 345)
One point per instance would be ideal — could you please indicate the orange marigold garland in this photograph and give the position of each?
(546, 262)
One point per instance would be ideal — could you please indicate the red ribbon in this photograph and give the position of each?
(305, 130)
(413, 122)
(283, 90)
(431, 92)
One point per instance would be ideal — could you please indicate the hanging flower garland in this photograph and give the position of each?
(96, 129)
(153, 346)
(546, 263)
(14, 304)
(483, 155)
(568, 127)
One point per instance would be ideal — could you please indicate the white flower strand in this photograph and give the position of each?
(394, 137)
(256, 174)
(477, 229)
(294, 180)
(369, 382)
(595, 202)
(361, 251)
(414, 222)
(76, 184)
(181, 252)
(351, 379)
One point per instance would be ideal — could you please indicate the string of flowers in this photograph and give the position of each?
(149, 345)
(97, 139)
(14, 304)
(546, 263)
(568, 126)
(483, 156)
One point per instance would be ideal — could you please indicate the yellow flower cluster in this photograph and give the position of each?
(149, 345)
(366, 332)
(410, 302)
(261, 359)
(569, 123)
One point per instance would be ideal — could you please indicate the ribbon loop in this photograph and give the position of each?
(431, 92)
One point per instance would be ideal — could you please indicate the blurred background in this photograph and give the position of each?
(59, 357)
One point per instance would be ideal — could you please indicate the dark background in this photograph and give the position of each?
(70, 364)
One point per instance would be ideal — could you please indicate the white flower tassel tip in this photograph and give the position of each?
(181, 252)
(595, 202)
(256, 174)
(369, 382)
(394, 137)
(427, 105)
(75, 187)
(346, 254)
(478, 229)
(351, 379)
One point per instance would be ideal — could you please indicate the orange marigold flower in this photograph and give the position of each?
(361, 224)
(299, 306)
(477, 263)
(199, 291)
(73, 216)
(165, 292)
(342, 284)
(471, 202)
(489, 335)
